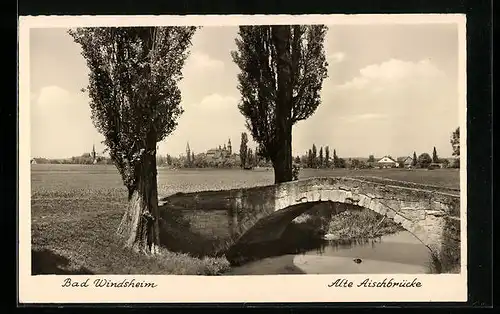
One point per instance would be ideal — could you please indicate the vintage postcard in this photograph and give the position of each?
(308, 158)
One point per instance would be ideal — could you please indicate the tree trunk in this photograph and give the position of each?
(282, 162)
(139, 226)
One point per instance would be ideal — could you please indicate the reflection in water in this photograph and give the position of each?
(397, 253)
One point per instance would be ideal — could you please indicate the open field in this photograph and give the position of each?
(77, 208)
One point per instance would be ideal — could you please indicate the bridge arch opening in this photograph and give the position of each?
(431, 214)
(321, 216)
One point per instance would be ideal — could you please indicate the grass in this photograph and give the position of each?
(449, 178)
(357, 224)
(76, 209)
(353, 223)
(74, 219)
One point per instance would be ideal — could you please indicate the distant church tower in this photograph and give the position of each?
(229, 147)
(94, 160)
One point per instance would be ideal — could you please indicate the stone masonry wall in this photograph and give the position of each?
(430, 213)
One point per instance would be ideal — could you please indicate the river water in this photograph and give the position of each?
(397, 253)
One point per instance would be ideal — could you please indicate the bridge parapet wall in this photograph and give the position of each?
(362, 193)
(432, 214)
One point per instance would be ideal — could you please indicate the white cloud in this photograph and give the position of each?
(384, 108)
(393, 71)
(61, 125)
(217, 102)
(52, 96)
(355, 83)
(202, 62)
(364, 117)
(336, 57)
(206, 124)
(203, 76)
(397, 69)
(389, 108)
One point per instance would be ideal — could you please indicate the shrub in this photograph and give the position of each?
(295, 171)
(424, 160)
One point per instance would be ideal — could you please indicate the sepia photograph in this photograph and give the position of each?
(237, 149)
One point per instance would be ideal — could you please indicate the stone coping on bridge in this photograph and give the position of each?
(439, 198)
(443, 189)
(430, 213)
(371, 179)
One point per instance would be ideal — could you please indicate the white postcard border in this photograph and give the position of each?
(269, 288)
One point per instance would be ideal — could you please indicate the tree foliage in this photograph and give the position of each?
(341, 163)
(355, 164)
(435, 158)
(320, 159)
(314, 157)
(188, 155)
(135, 103)
(250, 158)
(282, 69)
(424, 160)
(327, 157)
(258, 157)
(243, 149)
(134, 97)
(336, 162)
(310, 158)
(455, 142)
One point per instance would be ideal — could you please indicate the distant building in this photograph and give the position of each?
(220, 152)
(386, 162)
(406, 161)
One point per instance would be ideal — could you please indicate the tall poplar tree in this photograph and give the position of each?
(314, 157)
(320, 161)
(282, 68)
(435, 158)
(243, 149)
(414, 160)
(135, 103)
(327, 157)
(309, 158)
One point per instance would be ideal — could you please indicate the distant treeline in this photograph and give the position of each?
(85, 159)
(204, 161)
(195, 161)
(322, 159)
(312, 159)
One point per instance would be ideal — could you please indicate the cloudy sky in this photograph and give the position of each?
(391, 90)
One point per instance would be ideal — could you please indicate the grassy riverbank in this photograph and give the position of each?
(86, 243)
(363, 223)
(74, 216)
(351, 223)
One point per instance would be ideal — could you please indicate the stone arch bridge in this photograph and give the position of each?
(243, 216)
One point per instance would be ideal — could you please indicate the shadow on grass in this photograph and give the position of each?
(177, 235)
(46, 262)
